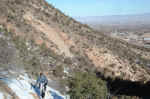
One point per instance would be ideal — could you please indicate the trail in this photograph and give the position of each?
(21, 88)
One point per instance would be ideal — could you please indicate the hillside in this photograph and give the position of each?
(35, 37)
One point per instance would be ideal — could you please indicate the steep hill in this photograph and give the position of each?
(34, 36)
(36, 21)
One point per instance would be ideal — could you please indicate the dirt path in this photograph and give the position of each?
(51, 33)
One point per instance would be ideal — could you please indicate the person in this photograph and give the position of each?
(38, 81)
(41, 83)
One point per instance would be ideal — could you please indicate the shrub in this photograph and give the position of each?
(6, 52)
(85, 85)
(20, 45)
(58, 71)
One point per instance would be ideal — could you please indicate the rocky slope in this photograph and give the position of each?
(35, 20)
(37, 37)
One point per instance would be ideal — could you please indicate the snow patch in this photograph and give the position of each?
(21, 88)
(24, 88)
(1, 96)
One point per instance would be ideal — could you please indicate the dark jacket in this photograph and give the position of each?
(42, 79)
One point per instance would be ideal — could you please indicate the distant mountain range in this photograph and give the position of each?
(123, 22)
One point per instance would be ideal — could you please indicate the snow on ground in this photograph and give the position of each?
(23, 89)
(1, 96)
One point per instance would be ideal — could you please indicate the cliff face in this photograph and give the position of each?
(45, 39)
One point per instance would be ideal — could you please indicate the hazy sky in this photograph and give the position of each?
(101, 7)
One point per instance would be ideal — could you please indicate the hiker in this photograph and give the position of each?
(41, 83)
(38, 81)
